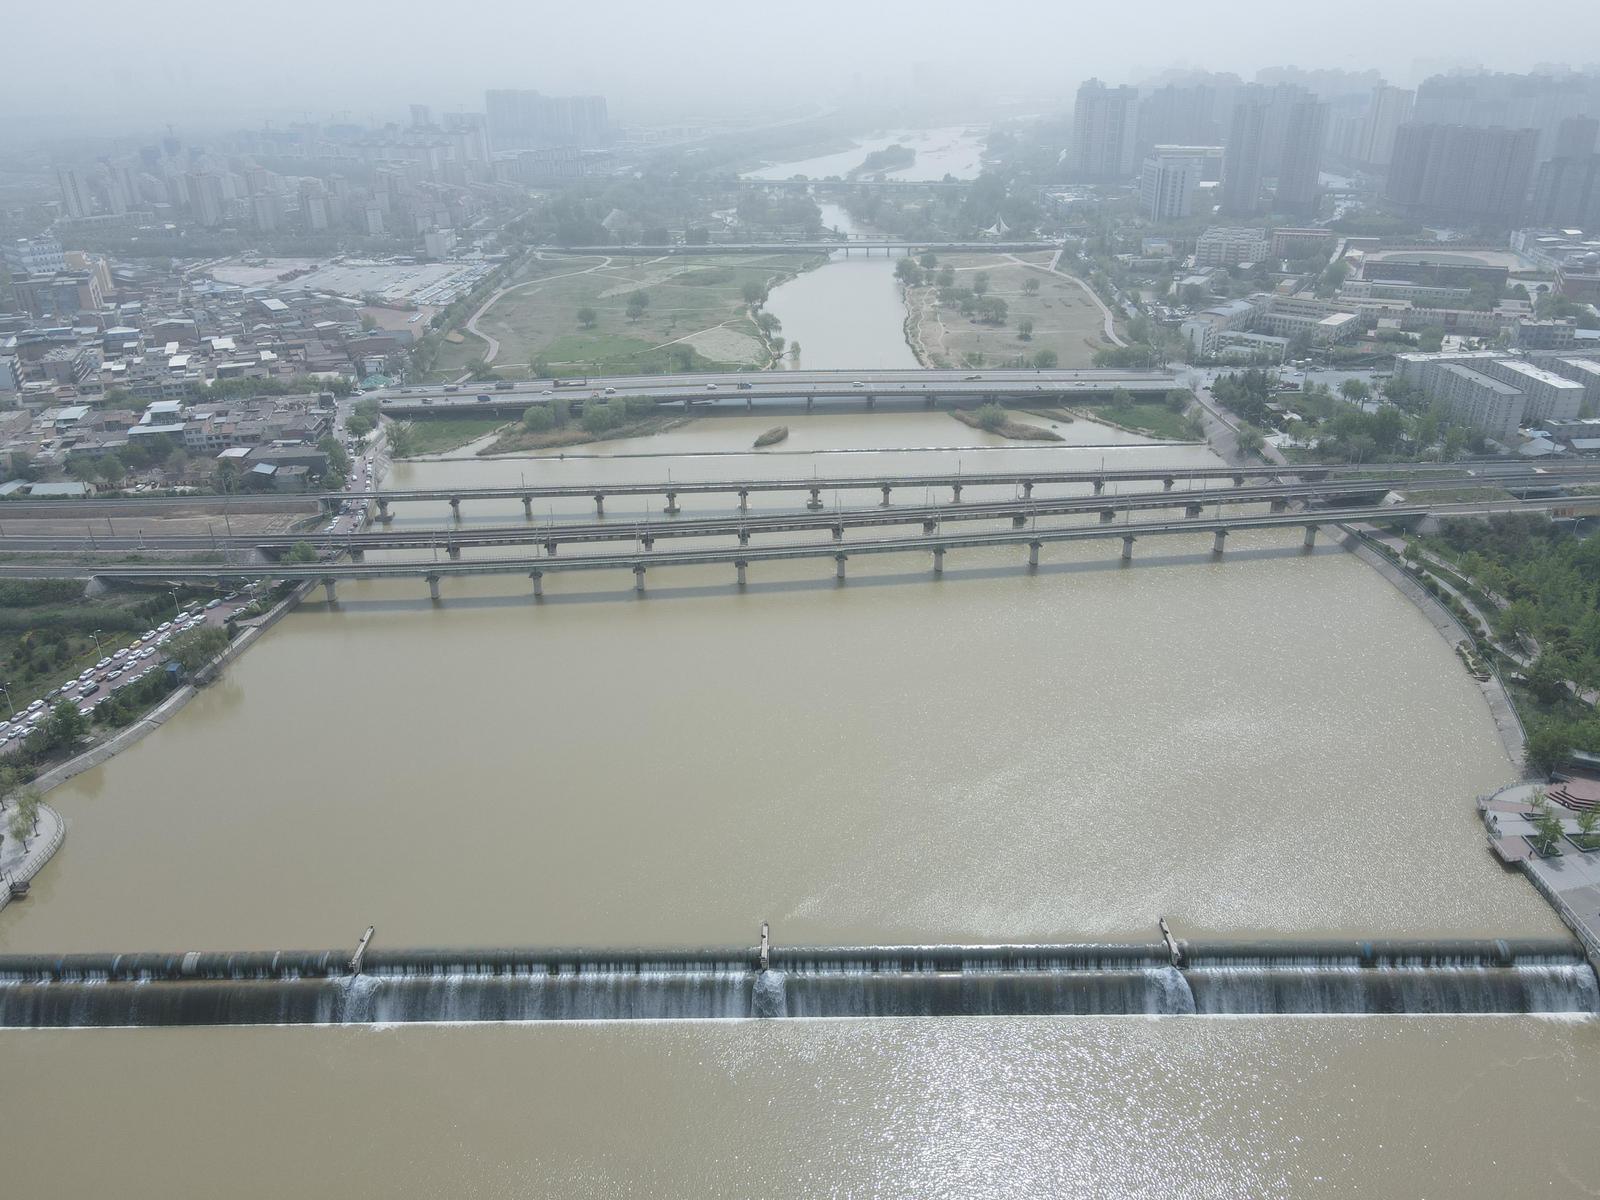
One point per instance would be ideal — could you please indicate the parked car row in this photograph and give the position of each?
(92, 686)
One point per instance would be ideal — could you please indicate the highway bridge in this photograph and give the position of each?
(740, 557)
(553, 533)
(724, 389)
(1022, 483)
(887, 245)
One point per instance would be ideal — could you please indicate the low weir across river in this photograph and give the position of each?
(1169, 978)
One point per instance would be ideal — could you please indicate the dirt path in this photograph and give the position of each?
(489, 339)
(1105, 313)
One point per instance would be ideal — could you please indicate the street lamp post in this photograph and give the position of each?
(95, 634)
(176, 607)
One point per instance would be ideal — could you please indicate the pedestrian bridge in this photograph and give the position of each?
(1169, 977)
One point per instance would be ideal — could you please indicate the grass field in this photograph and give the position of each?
(695, 317)
(1144, 416)
(1065, 319)
(435, 435)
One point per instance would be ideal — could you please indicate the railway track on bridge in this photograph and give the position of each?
(741, 557)
(645, 532)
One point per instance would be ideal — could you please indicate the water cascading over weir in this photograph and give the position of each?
(1169, 978)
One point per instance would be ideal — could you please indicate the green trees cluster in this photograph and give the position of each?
(991, 417)
(194, 649)
(402, 437)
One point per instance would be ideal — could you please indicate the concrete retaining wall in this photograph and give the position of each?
(1506, 722)
(164, 711)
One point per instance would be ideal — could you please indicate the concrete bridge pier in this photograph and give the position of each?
(1238, 481)
(1033, 553)
(455, 506)
(744, 537)
(1127, 547)
(327, 586)
(810, 400)
(929, 525)
(550, 547)
(815, 503)
(1099, 486)
(648, 541)
(599, 504)
(739, 565)
(1167, 483)
(1311, 537)
(872, 402)
(384, 514)
(538, 583)
(744, 499)
(1279, 505)
(1018, 521)
(749, 404)
(638, 578)
(1219, 541)
(838, 566)
(357, 554)
(527, 508)
(1107, 516)
(838, 533)
(671, 509)
(453, 549)
(1191, 511)
(938, 560)
(1027, 489)
(955, 493)
(433, 588)
(886, 490)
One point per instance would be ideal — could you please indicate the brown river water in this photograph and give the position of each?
(1272, 743)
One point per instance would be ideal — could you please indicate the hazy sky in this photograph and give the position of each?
(95, 66)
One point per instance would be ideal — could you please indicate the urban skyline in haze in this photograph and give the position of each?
(365, 63)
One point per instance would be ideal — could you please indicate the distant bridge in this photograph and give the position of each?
(865, 388)
(887, 245)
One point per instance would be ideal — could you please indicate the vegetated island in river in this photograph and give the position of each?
(772, 436)
(890, 158)
(550, 426)
(991, 418)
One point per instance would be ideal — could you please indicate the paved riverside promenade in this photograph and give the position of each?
(19, 864)
(1570, 881)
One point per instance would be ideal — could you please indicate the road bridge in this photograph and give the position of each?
(1022, 482)
(551, 534)
(867, 245)
(740, 557)
(747, 388)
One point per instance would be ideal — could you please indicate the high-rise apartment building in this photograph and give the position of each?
(1476, 174)
(1390, 108)
(525, 120)
(1575, 137)
(1566, 193)
(1178, 115)
(1104, 132)
(1300, 164)
(1242, 165)
(1167, 183)
(75, 200)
